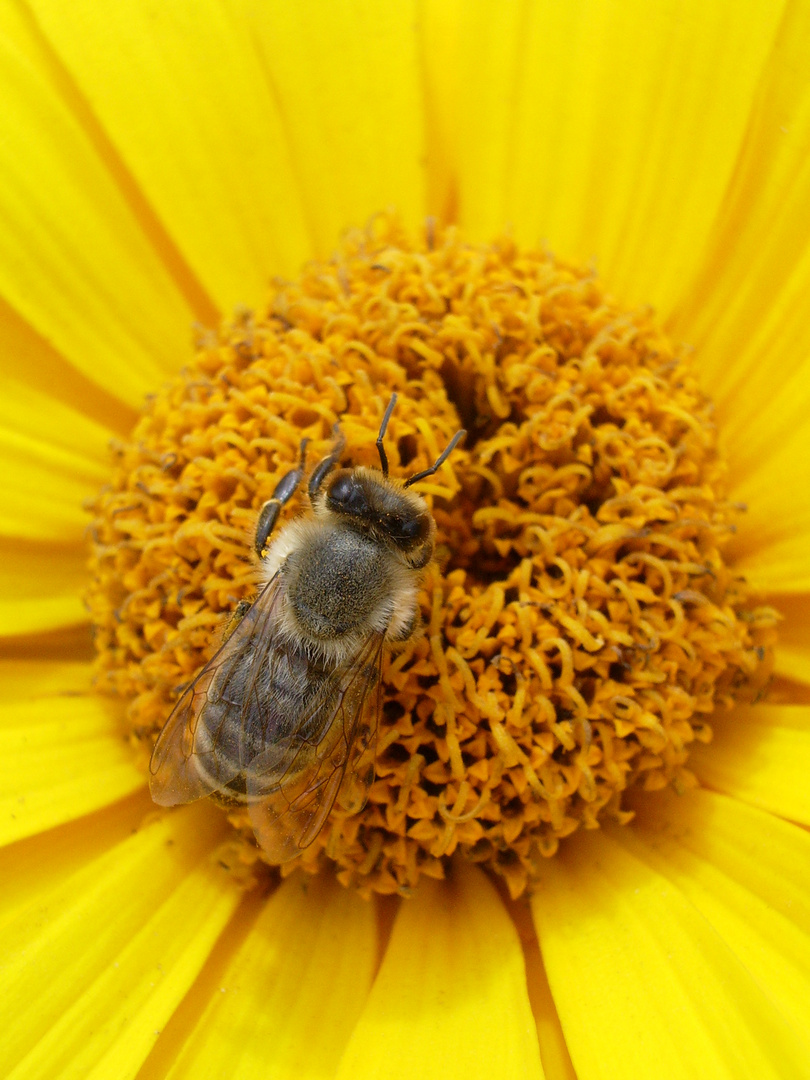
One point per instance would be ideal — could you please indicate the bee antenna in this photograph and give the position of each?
(440, 460)
(381, 436)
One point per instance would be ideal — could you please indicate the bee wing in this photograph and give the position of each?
(288, 814)
(187, 761)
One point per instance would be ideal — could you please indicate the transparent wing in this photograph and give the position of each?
(293, 784)
(190, 759)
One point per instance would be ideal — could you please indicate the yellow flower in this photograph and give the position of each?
(159, 164)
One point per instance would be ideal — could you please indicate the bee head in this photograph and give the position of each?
(366, 500)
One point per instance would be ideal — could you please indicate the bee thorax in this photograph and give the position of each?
(337, 583)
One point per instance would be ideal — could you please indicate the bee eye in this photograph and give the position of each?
(341, 490)
(405, 531)
(408, 530)
(347, 496)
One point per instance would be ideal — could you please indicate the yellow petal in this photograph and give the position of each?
(347, 77)
(49, 424)
(77, 265)
(38, 863)
(793, 653)
(51, 461)
(554, 1054)
(184, 99)
(773, 541)
(68, 643)
(37, 501)
(25, 680)
(590, 127)
(746, 315)
(770, 945)
(41, 587)
(746, 311)
(643, 984)
(773, 482)
(767, 856)
(443, 51)
(472, 53)
(96, 965)
(40, 379)
(60, 758)
(450, 999)
(760, 754)
(767, 406)
(663, 147)
(289, 996)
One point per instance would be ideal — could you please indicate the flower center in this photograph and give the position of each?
(580, 623)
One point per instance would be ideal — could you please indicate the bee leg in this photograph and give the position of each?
(239, 612)
(329, 462)
(268, 515)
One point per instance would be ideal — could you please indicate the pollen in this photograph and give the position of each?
(581, 620)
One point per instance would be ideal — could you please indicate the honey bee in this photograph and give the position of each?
(280, 719)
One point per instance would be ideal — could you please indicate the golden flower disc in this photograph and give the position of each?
(580, 623)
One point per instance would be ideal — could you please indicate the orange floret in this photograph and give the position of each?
(580, 621)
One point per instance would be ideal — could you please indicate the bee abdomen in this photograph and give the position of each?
(284, 701)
